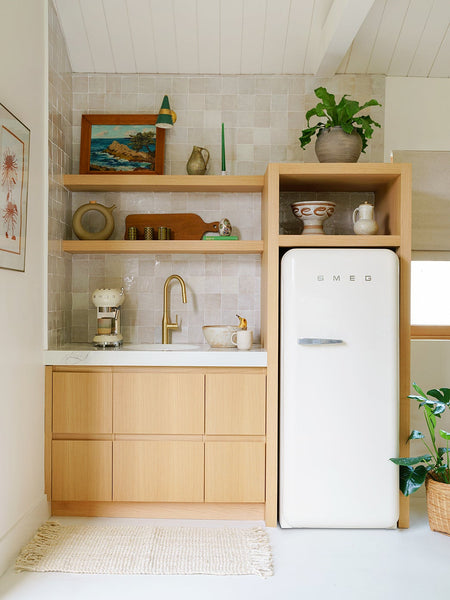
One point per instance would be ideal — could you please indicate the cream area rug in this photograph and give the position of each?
(144, 549)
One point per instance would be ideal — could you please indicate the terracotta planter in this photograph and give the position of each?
(334, 145)
(438, 505)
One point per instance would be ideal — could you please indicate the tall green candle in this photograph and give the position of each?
(224, 168)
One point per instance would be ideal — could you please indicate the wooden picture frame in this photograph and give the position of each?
(100, 133)
(14, 167)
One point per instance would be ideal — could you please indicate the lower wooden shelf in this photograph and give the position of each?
(163, 247)
(336, 241)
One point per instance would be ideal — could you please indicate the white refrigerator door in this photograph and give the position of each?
(339, 388)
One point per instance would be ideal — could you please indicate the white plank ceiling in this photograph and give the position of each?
(323, 37)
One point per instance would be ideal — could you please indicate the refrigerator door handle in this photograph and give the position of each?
(317, 341)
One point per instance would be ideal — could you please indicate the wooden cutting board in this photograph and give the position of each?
(183, 226)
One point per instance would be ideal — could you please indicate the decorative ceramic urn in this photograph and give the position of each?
(313, 213)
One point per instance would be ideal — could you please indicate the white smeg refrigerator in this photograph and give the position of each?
(339, 388)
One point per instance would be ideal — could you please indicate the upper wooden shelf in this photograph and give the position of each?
(339, 241)
(339, 177)
(163, 247)
(163, 183)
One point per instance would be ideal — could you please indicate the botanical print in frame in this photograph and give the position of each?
(14, 159)
(130, 144)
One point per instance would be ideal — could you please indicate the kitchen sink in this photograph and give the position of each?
(172, 347)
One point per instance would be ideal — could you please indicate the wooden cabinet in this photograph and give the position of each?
(82, 403)
(234, 471)
(158, 471)
(81, 470)
(148, 436)
(235, 405)
(158, 403)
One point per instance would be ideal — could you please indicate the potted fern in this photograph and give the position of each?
(342, 135)
(432, 468)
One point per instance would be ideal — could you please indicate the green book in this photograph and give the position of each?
(220, 237)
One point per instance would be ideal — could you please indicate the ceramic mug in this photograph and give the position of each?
(243, 339)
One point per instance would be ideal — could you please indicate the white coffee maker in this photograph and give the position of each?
(108, 302)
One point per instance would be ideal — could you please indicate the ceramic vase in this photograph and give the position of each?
(334, 145)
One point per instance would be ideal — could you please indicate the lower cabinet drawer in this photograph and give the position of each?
(158, 471)
(81, 470)
(234, 471)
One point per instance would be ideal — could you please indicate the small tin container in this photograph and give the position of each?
(148, 233)
(162, 233)
(168, 233)
(132, 233)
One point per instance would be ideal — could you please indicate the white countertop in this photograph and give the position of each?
(203, 356)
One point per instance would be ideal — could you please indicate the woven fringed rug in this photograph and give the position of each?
(143, 549)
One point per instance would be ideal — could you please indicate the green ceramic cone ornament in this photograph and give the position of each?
(166, 117)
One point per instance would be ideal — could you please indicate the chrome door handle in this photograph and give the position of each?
(317, 341)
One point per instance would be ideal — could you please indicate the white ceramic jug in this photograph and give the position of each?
(365, 224)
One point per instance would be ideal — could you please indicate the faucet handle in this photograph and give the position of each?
(173, 325)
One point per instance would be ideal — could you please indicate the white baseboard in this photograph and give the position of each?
(21, 532)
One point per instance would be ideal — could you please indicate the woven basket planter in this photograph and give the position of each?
(438, 505)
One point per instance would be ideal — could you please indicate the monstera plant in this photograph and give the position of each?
(340, 125)
(432, 467)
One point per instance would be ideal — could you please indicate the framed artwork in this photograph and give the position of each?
(14, 164)
(129, 144)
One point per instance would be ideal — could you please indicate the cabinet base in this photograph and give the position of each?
(160, 510)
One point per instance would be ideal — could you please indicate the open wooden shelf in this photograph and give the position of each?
(163, 183)
(338, 177)
(163, 247)
(339, 241)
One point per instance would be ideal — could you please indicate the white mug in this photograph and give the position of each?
(243, 339)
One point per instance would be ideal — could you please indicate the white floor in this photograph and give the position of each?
(309, 564)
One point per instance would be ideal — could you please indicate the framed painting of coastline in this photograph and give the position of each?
(14, 164)
(130, 144)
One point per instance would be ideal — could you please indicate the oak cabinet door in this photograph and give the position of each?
(158, 403)
(236, 404)
(82, 403)
(158, 471)
(234, 471)
(81, 470)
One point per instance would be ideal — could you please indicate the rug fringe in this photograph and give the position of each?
(260, 551)
(31, 554)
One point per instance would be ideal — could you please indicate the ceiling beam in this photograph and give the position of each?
(343, 21)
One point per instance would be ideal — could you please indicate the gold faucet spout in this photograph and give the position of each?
(166, 324)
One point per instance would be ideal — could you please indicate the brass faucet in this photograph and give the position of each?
(166, 324)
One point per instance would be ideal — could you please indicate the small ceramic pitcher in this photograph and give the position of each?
(197, 165)
(365, 224)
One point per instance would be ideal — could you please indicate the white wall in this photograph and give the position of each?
(23, 85)
(416, 118)
(416, 114)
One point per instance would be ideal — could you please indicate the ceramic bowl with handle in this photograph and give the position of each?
(219, 336)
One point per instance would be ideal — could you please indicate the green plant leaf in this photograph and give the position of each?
(446, 394)
(415, 435)
(443, 450)
(327, 98)
(349, 110)
(419, 398)
(412, 479)
(411, 460)
(347, 127)
(439, 408)
(418, 390)
(444, 434)
(370, 103)
(328, 103)
(308, 133)
(317, 111)
(440, 395)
